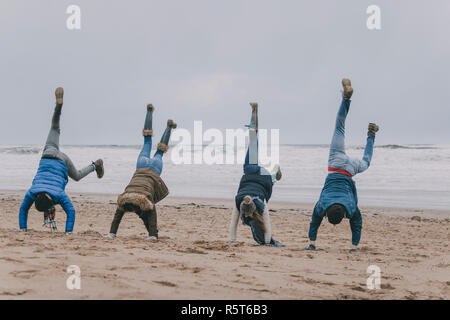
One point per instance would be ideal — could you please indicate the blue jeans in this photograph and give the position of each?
(254, 168)
(144, 160)
(338, 158)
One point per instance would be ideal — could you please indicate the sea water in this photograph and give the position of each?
(410, 176)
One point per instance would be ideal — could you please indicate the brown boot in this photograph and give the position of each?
(171, 124)
(99, 168)
(59, 93)
(348, 90)
(373, 128)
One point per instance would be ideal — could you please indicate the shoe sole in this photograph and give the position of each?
(101, 171)
(59, 94)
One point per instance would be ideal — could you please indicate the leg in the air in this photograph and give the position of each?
(144, 156)
(338, 157)
(156, 163)
(361, 165)
(251, 159)
(76, 174)
(52, 144)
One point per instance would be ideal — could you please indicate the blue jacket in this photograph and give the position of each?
(255, 185)
(340, 189)
(51, 178)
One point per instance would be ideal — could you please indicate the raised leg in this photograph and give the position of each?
(337, 157)
(52, 143)
(74, 173)
(251, 159)
(156, 163)
(144, 156)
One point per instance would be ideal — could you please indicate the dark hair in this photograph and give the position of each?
(247, 206)
(43, 202)
(335, 213)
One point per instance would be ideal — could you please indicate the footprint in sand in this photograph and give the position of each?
(13, 293)
(387, 286)
(191, 250)
(166, 283)
(11, 260)
(24, 274)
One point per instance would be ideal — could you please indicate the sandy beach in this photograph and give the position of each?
(194, 260)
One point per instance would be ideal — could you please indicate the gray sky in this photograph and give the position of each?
(206, 59)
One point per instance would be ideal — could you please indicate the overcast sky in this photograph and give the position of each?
(206, 59)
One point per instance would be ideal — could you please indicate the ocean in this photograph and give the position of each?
(408, 176)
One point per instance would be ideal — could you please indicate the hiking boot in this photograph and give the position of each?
(348, 90)
(59, 93)
(254, 119)
(148, 125)
(99, 168)
(277, 172)
(171, 124)
(373, 128)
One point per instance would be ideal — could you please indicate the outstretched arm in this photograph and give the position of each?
(234, 223)
(23, 211)
(67, 205)
(356, 226)
(267, 226)
(316, 220)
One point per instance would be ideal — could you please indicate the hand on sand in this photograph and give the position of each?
(109, 236)
(310, 247)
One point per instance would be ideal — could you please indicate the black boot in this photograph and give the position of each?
(163, 145)
(148, 128)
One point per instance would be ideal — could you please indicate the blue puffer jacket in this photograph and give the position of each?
(255, 185)
(340, 189)
(51, 178)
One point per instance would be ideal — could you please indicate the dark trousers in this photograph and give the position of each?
(148, 217)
